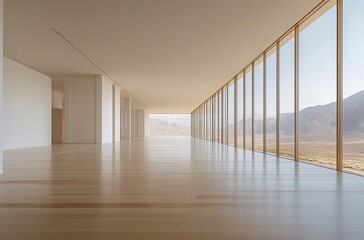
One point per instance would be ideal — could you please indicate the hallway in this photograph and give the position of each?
(173, 188)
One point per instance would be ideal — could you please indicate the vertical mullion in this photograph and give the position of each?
(222, 114)
(205, 120)
(213, 117)
(264, 103)
(192, 126)
(296, 93)
(226, 114)
(244, 111)
(339, 83)
(278, 151)
(235, 113)
(253, 112)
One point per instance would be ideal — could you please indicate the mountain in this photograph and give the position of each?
(321, 118)
(354, 113)
(159, 127)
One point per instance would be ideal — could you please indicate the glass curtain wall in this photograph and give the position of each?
(301, 97)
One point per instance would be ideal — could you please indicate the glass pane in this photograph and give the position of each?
(353, 85)
(225, 115)
(216, 117)
(231, 113)
(208, 119)
(271, 79)
(287, 97)
(317, 86)
(258, 105)
(239, 99)
(248, 107)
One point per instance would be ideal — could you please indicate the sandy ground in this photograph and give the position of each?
(321, 148)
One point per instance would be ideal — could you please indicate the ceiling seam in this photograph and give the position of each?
(92, 62)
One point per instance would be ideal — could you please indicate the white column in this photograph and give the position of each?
(88, 109)
(134, 123)
(141, 123)
(116, 113)
(146, 123)
(1, 86)
(104, 110)
(80, 109)
(127, 117)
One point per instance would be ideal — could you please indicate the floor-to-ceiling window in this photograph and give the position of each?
(258, 105)
(248, 108)
(239, 110)
(271, 101)
(230, 112)
(208, 119)
(217, 120)
(287, 96)
(220, 117)
(317, 88)
(301, 91)
(225, 114)
(353, 85)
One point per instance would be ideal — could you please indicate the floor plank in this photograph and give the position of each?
(173, 188)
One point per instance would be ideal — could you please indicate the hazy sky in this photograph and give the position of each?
(317, 59)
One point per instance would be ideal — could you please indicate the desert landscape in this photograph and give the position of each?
(159, 127)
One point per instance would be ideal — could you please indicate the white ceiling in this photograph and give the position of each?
(171, 55)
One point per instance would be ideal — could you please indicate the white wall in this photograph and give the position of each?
(134, 123)
(127, 117)
(57, 100)
(146, 123)
(57, 125)
(80, 109)
(138, 123)
(57, 117)
(1, 86)
(104, 110)
(116, 113)
(27, 107)
(88, 109)
(141, 123)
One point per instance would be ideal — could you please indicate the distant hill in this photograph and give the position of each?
(163, 128)
(321, 118)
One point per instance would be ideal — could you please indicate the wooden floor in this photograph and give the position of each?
(173, 188)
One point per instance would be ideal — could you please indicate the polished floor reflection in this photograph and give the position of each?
(173, 188)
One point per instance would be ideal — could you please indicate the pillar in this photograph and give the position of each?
(127, 117)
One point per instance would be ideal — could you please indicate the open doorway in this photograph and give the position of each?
(170, 125)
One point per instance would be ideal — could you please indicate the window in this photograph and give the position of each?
(230, 114)
(239, 107)
(248, 109)
(258, 105)
(317, 88)
(287, 97)
(271, 101)
(353, 89)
